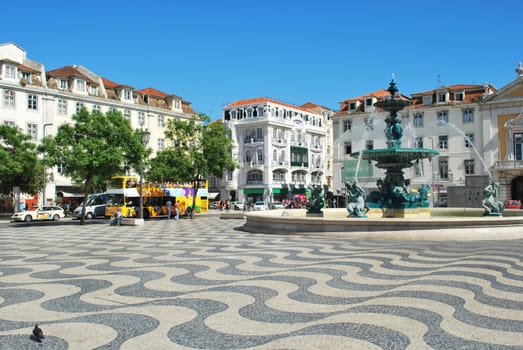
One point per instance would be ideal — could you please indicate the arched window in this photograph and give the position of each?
(255, 177)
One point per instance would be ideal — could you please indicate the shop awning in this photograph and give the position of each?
(213, 195)
(70, 195)
(279, 190)
(253, 191)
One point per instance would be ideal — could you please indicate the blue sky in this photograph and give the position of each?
(213, 52)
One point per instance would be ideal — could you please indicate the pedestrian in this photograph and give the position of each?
(169, 206)
(177, 210)
(66, 209)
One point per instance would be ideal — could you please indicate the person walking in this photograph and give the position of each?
(177, 210)
(169, 206)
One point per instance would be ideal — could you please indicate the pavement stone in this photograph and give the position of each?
(207, 284)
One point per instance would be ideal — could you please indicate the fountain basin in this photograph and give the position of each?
(444, 224)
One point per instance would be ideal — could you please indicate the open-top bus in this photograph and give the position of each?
(124, 192)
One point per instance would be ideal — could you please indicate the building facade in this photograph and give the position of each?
(38, 101)
(281, 150)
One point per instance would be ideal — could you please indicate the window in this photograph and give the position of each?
(443, 165)
(419, 142)
(418, 120)
(442, 97)
(443, 118)
(255, 177)
(9, 98)
(64, 84)
(10, 123)
(427, 100)
(80, 85)
(127, 114)
(347, 125)
(32, 102)
(468, 115)
(368, 102)
(127, 95)
(10, 72)
(518, 146)
(62, 106)
(469, 166)
(79, 106)
(443, 142)
(60, 168)
(28, 77)
(459, 96)
(348, 148)
(259, 156)
(469, 140)
(260, 111)
(248, 157)
(161, 144)
(161, 120)
(32, 131)
(352, 106)
(369, 144)
(141, 118)
(97, 108)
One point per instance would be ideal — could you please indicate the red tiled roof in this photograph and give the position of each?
(66, 72)
(456, 87)
(256, 100)
(109, 83)
(25, 68)
(152, 92)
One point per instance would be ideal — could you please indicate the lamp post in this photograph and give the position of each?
(45, 175)
(145, 135)
(432, 171)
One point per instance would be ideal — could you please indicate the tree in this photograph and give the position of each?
(95, 147)
(19, 163)
(196, 149)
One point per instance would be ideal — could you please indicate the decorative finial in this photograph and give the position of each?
(392, 88)
(519, 70)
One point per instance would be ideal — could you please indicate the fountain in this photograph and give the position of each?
(393, 211)
(394, 197)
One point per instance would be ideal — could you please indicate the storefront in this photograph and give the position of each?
(253, 195)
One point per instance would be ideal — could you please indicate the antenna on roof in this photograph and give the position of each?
(439, 81)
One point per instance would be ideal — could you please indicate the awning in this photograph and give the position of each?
(213, 195)
(70, 195)
(253, 190)
(279, 190)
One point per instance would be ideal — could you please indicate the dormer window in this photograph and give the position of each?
(79, 85)
(368, 102)
(28, 77)
(459, 96)
(353, 106)
(146, 98)
(177, 104)
(442, 97)
(127, 95)
(63, 84)
(10, 72)
(94, 90)
(427, 100)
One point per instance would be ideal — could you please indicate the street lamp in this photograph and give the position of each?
(432, 171)
(45, 175)
(145, 136)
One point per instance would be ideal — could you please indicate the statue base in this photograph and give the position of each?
(314, 215)
(358, 216)
(493, 214)
(413, 213)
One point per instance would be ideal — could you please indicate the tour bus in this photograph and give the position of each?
(124, 193)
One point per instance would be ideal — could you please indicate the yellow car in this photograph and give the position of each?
(47, 212)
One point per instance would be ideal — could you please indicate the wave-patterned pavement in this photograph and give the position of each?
(206, 284)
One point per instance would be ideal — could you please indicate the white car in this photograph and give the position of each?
(47, 212)
(277, 205)
(260, 206)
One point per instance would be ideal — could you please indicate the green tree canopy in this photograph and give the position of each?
(196, 149)
(19, 163)
(95, 147)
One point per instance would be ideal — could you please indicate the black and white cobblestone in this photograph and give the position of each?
(206, 284)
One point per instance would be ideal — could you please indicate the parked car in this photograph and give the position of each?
(512, 204)
(260, 206)
(213, 205)
(47, 212)
(238, 206)
(95, 207)
(277, 205)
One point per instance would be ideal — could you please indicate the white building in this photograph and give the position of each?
(281, 149)
(39, 101)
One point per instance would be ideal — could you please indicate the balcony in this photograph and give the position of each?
(508, 165)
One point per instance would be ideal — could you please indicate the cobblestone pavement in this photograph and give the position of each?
(206, 284)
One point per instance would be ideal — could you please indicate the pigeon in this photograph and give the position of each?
(38, 333)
